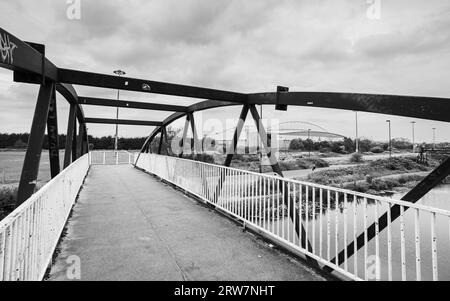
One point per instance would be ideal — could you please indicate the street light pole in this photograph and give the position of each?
(390, 140)
(260, 148)
(434, 138)
(116, 141)
(413, 138)
(309, 141)
(357, 139)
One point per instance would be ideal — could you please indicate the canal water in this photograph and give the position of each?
(438, 198)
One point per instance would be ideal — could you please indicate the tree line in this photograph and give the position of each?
(348, 145)
(20, 141)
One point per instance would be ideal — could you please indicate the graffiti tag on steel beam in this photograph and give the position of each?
(7, 49)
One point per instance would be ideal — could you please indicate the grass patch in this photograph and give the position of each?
(377, 186)
(8, 197)
(304, 163)
(374, 169)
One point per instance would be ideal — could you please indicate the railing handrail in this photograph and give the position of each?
(25, 205)
(320, 186)
(29, 235)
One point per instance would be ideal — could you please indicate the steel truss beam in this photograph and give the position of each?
(80, 141)
(123, 121)
(237, 133)
(431, 108)
(74, 143)
(70, 135)
(420, 190)
(197, 144)
(130, 104)
(30, 168)
(141, 85)
(52, 135)
(161, 137)
(183, 139)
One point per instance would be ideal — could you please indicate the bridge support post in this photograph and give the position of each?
(414, 195)
(80, 141)
(287, 198)
(166, 137)
(52, 135)
(183, 140)
(30, 168)
(85, 140)
(197, 145)
(69, 136)
(161, 137)
(74, 142)
(237, 133)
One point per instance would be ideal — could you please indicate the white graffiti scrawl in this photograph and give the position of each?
(7, 49)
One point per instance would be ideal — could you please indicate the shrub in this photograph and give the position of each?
(376, 150)
(296, 145)
(356, 158)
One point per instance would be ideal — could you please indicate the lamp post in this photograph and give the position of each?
(357, 139)
(260, 145)
(434, 138)
(309, 141)
(119, 73)
(413, 138)
(390, 140)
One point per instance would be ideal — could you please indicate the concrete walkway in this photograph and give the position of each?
(127, 225)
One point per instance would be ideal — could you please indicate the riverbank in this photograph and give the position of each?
(379, 177)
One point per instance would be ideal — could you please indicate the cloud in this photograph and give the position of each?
(238, 45)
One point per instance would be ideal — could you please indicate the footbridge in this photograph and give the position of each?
(149, 216)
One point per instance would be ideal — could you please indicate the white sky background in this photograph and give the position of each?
(244, 46)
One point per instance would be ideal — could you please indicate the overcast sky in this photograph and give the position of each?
(244, 46)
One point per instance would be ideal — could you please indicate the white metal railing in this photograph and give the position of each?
(416, 246)
(29, 235)
(111, 157)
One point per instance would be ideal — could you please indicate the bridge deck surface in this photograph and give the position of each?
(127, 225)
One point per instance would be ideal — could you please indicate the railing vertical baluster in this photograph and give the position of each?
(434, 248)
(278, 207)
(336, 226)
(377, 241)
(328, 225)
(104, 158)
(321, 222)
(245, 195)
(294, 210)
(233, 191)
(402, 242)
(283, 187)
(389, 238)
(365, 238)
(239, 204)
(273, 204)
(417, 240)
(2, 252)
(345, 233)
(300, 217)
(288, 224)
(307, 217)
(355, 229)
(260, 220)
(313, 218)
(263, 199)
